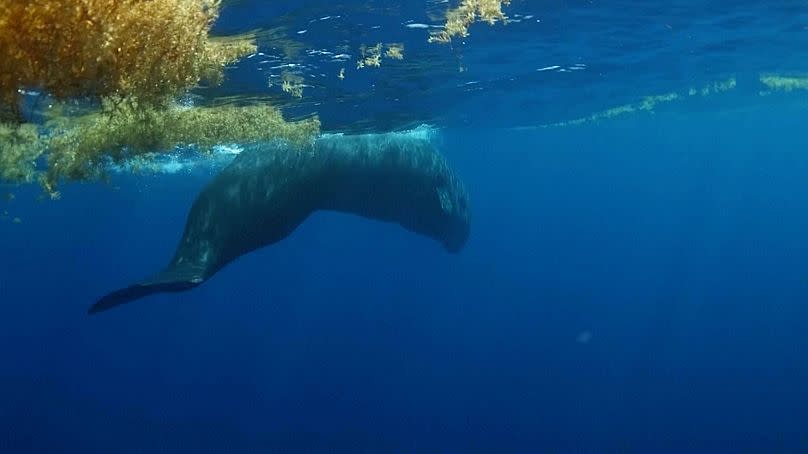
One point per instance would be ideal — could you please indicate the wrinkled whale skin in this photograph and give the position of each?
(270, 189)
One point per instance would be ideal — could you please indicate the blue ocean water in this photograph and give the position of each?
(631, 284)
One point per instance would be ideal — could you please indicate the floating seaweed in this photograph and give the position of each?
(459, 19)
(132, 59)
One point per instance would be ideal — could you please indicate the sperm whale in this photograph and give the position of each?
(270, 189)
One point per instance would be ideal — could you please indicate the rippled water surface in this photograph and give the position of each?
(552, 62)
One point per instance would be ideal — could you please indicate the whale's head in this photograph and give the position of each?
(442, 213)
(454, 217)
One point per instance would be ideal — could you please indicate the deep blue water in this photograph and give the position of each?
(634, 285)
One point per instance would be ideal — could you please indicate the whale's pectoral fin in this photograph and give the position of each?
(168, 281)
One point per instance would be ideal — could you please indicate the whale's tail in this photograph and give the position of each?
(170, 280)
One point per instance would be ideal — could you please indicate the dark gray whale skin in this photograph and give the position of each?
(270, 189)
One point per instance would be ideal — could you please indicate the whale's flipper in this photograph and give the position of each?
(168, 281)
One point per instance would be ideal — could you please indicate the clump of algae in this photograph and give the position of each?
(149, 49)
(131, 57)
(784, 83)
(372, 55)
(395, 51)
(459, 19)
(20, 146)
(715, 87)
(293, 84)
(650, 102)
(80, 146)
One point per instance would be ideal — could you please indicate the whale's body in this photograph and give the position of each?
(270, 189)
